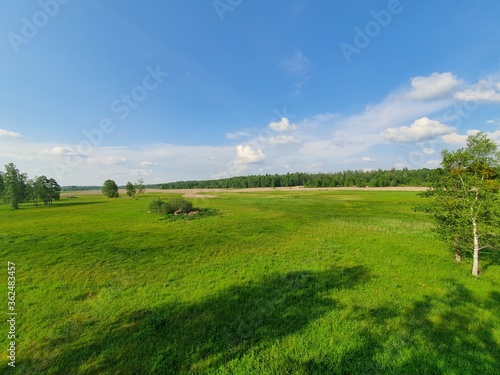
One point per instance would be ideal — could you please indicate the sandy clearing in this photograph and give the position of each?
(199, 193)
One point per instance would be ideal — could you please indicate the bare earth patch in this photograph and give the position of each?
(199, 193)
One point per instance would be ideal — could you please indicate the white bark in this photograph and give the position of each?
(475, 264)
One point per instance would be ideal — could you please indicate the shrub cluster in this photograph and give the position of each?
(170, 206)
(156, 206)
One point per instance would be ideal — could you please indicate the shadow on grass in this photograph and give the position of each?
(448, 335)
(73, 203)
(489, 257)
(58, 204)
(183, 338)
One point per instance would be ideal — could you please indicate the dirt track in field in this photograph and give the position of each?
(200, 193)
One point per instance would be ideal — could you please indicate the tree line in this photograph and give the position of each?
(348, 178)
(16, 188)
(378, 178)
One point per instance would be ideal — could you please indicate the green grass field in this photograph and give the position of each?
(280, 282)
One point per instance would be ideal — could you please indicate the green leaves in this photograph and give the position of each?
(110, 189)
(130, 189)
(14, 185)
(465, 193)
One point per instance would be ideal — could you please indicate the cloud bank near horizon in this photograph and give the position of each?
(422, 117)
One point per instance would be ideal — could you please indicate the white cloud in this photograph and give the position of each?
(421, 130)
(238, 135)
(314, 167)
(392, 111)
(325, 141)
(282, 140)
(454, 138)
(486, 90)
(435, 86)
(495, 135)
(173, 162)
(282, 125)
(335, 140)
(297, 64)
(299, 84)
(148, 164)
(458, 139)
(141, 172)
(59, 151)
(109, 160)
(326, 116)
(8, 134)
(400, 166)
(433, 162)
(247, 155)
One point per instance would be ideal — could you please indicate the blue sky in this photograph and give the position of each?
(174, 90)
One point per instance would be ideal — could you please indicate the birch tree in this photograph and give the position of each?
(465, 194)
(14, 185)
(130, 189)
(139, 186)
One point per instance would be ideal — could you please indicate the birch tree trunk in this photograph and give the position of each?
(475, 264)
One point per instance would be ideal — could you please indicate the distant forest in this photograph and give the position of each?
(378, 178)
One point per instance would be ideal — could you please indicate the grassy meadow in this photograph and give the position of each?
(278, 282)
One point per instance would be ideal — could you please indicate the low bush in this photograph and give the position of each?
(169, 207)
(157, 206)
(182, 205)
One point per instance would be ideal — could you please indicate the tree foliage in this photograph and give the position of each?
(43, 189)
(465, 196)
(378, 178)
(139, 186)
(14, 182)
(170, 206)
(360, 178)
(15, 188)
(2, 185)
(157, 206)
(110, 189)
(179, 205)
(130, 188)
